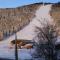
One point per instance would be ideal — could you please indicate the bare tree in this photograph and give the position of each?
(47, 37)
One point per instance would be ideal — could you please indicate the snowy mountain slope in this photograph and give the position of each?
(42, 15)
(27, 33)
(14, 19)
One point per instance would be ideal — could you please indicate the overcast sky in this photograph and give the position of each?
(15, 3)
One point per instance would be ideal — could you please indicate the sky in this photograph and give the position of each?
(16, 3)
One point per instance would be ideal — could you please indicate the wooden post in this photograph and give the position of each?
(16, 50)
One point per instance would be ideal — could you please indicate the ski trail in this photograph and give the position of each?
(42, 15)
(28, 32)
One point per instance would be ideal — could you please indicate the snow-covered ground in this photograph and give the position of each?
(42, 16)
(58, 40)
(10, 54)
(6, 52)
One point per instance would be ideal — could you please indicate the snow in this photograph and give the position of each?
(42, 15)
(6, 52)
(58, 40)
(10, 54)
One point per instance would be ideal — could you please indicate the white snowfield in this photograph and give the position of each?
(28, 32)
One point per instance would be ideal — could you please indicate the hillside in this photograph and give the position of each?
(55, 13)
(25, 21)
(14, 19)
